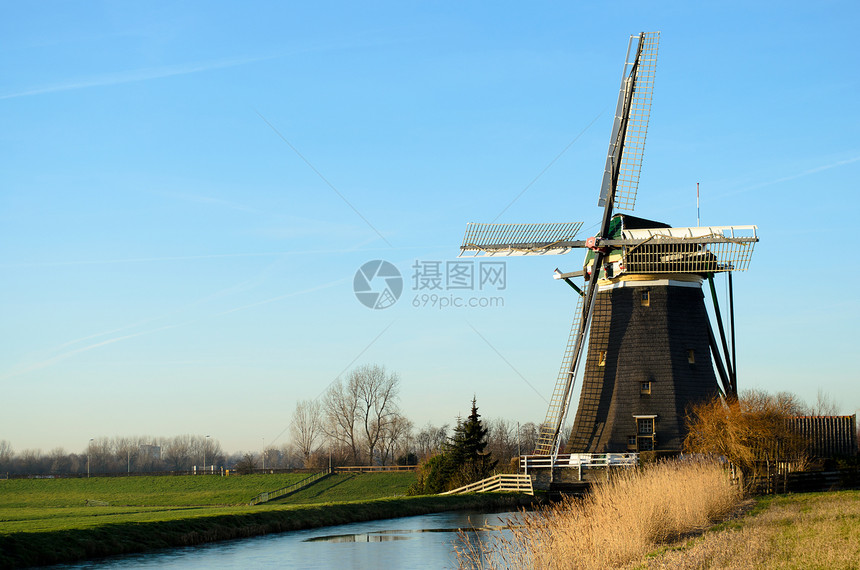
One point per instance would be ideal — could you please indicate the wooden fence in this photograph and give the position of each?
(505, 482)
(374, 468)
(267, 496)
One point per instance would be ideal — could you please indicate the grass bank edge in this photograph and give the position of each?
(752, 508)
(40, 548)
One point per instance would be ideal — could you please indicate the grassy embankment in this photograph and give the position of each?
(45, 521)
(815, 530)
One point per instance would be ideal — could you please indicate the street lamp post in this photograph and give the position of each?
(519, 446)
(204, 454)
(89, 449)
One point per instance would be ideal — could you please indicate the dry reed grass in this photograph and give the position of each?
(800, 531)
(621, 520)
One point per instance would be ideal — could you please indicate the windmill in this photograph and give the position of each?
(651, 350)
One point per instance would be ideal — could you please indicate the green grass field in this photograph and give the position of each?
(45, 521)
(182, 490)
(39, 505)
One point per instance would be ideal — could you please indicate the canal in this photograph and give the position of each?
(426, 541)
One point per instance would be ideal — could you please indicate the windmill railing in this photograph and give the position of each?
(578, 461)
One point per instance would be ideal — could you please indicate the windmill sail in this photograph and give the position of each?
(629, 129)
(518, 239)
(713, 249)
(558, 405)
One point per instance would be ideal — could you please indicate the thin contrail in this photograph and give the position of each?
(136, 75)
(809, 172)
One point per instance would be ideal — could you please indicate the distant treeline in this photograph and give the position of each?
(185, 453)
(357, 421)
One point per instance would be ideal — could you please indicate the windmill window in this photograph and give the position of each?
(601, 358)
(645, 298)
(645, 426)
(645, 387)
(631, 442)
(691, 356)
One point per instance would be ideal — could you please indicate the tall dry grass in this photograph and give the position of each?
(621, 520)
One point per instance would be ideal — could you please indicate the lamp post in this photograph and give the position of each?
(519, 445)
(89, 449)
(204, 453)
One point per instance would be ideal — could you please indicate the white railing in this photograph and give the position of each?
(578, 461)
(505, 482)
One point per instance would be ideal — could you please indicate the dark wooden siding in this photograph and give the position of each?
(643, 343)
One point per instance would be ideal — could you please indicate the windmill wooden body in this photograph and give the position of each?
(652, 351)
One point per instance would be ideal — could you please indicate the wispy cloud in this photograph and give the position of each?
(356, 248)
(135, 75)
(63, 351)
(160, 72)
(20, 371)
(795, 176)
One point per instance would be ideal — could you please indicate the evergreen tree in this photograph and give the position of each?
(463, 460)
(466, 460)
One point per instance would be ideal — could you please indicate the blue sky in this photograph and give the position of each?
(188, 190)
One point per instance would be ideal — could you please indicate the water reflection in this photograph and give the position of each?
(358, 538)
(383, 535)
(426, 541)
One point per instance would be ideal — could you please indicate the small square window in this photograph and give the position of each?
(645, 299)
(601, 358)
(691, 356)
(631, 442)
(645, 426)
(645, 387)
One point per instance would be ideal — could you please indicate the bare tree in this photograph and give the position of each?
(60, 461)
(306, 428)
(430, 440)
(502, 439)
(6, 455)
(246, 464)
(396, 435)
(824, 405)
(341, 413)
(377, 403)
(358, 412)
(177, 452)
(99, 455)
(528, 437)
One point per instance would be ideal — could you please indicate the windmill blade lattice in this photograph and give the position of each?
(638, 77)
(690, 250)
(549, 429)
(518, 239)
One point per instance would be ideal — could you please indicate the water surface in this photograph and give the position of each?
(425, 541)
